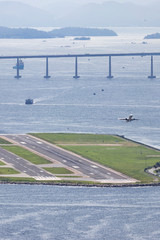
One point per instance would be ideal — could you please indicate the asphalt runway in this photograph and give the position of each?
(75, 162)
(24, 166)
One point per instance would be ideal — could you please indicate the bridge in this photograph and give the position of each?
(76, 56)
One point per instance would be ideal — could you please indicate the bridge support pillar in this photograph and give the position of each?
(47, 76)
(17, 76)
(76, 68)
(110, 68)
(151, 76)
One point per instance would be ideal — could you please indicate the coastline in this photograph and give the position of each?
(81, 184)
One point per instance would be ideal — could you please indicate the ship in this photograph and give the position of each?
(21, 65)
(29, 101)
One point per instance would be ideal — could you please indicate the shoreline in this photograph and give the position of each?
(81, 184)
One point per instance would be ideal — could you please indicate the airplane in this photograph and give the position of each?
(129, 119)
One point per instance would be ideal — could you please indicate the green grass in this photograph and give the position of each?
(17, 179)
(3, 141)
(6, 171)
(32, 180)
(126, 159)
(24, 153)
(73, 138)
(58, 170)
(2, 163)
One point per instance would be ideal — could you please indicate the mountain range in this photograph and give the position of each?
(64, 13)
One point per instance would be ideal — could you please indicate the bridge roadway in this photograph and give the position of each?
(73, 161)
(76, 56)
(83, 55)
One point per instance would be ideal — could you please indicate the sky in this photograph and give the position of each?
(35, 2)
(70, 12)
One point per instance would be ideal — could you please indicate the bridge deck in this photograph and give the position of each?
(83, 55)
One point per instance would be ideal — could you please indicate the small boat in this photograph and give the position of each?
(21, 65)
(29, 101)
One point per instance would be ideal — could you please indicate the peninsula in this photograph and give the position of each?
(76, 159)
(30, 33)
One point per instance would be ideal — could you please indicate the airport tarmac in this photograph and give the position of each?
(78, 164)
(23, 166)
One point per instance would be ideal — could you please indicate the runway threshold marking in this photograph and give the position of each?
(94, 166)
(75, 166)
(40, 178)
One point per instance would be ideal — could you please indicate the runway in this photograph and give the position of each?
(24, 166)
(86, 167)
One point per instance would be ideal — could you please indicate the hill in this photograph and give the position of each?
(77, 31)
(16, 14)
(64, 13)
(112, 13)
(153, 36)
(29, 33)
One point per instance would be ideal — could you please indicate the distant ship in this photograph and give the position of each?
(21, 65)
(29, 101)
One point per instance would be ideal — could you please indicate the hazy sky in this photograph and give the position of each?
(84, 1)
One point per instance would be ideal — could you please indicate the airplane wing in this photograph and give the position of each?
(135, 119)
(122, 118)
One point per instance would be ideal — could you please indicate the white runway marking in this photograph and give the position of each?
(94, 166)
(75, 166)
(46, 178)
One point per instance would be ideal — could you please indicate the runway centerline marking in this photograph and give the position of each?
(94, 166)
(75, 166)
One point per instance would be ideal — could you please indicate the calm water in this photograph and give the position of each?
(69, 213)
(63, 104)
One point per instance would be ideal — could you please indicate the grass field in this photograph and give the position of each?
(130, 158)
(58, 170)
(24, 153)
(17, 179)
(3, 141)
(73, 138)
(6, 171)
(1, 163)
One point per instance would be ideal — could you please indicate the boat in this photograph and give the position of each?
(21, 65)
(29, 101)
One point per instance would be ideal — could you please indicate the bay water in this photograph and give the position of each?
(90, 104)
(69, 213)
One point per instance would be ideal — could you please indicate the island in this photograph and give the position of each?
(31, 33)
(153, 36)
(82, 38)
(83, 32)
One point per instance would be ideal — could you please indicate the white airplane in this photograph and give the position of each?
(129, 119)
